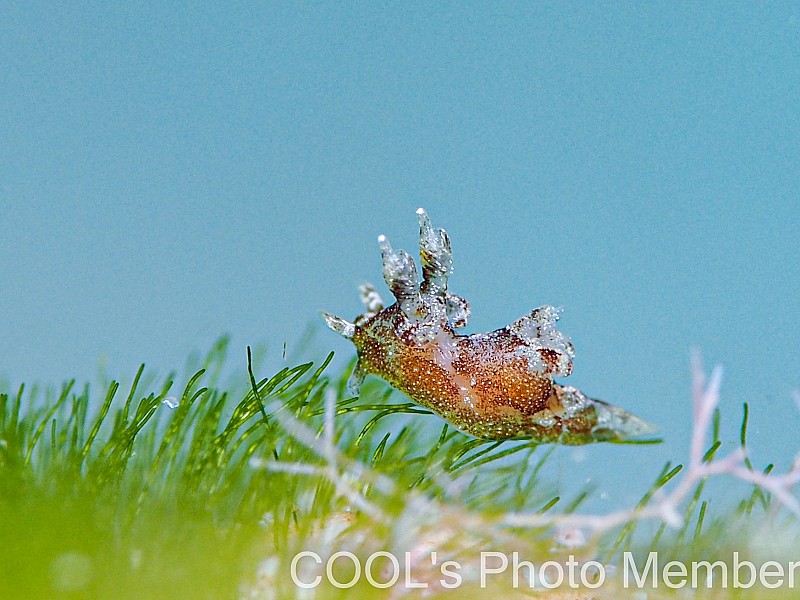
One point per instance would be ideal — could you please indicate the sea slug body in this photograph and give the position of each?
(495, 385)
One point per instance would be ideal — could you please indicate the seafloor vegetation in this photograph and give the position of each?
(183, 489)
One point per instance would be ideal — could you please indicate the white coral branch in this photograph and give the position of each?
(344, 473)
(665, 507)
(427, 524)
(340, 470)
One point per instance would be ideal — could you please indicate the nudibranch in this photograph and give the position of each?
(496, 385)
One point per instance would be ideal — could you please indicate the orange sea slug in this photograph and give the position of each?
(495, 385)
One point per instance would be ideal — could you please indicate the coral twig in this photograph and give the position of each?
(665, 507)
(345, 474)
